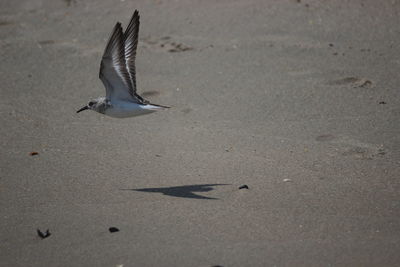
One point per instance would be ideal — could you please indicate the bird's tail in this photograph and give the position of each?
(155, 106)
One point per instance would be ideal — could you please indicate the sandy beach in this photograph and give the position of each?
(297, 99)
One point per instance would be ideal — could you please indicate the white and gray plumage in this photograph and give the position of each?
(118, 74)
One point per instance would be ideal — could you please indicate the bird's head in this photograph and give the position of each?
(93, 105)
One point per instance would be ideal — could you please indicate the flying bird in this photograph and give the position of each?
(118, 74)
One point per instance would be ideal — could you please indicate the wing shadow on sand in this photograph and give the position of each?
(186, 191)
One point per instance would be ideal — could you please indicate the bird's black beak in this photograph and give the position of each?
(82, 109)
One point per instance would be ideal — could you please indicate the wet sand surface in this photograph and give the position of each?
(298, 100)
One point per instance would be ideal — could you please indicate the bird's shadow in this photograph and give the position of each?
(185, 191)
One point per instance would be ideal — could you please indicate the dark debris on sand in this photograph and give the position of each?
(113, 229)
(43, 235)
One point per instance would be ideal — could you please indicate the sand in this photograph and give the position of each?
(298, 100)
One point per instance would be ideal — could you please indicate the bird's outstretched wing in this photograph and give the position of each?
(114, 71)
(131, 37)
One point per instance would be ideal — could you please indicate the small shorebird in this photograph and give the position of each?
(117, 72)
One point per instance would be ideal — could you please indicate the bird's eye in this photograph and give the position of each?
(91, 103)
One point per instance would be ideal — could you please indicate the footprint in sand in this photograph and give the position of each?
(325, 138)
(352, 148)
(166, 44)
(367, 153)
(352, 81)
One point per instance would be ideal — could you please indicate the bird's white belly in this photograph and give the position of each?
(126, 110)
